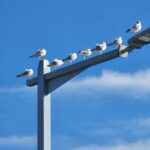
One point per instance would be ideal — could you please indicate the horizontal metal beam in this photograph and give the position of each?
(136, 40)
(82, 65)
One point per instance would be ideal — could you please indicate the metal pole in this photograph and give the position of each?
(48, 82)
(44, 109)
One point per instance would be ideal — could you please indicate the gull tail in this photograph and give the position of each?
(64, 60)
(110, 44)
(128, 30)
(32, 56)
(49, 65)
(18, 75)
(93, 49)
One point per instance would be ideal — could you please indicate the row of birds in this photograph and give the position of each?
(85, 53)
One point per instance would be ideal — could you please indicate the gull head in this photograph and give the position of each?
(43, 50)
(88, 49)
(30, 71)
(55, 59)
(119, 38)
(74, 54)
(138, 22)
(104, 43)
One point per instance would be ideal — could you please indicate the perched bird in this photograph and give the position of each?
(27, 73)
(100, 47)
(136, 28)
(56, 63)
(40, 53)
(70, 58)
(85, 53)
(118, 41)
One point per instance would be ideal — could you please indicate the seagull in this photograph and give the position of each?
(85, 53)
(26, 73)
(56, 63)
(40, 53)
(71, 58)
(136, 28)
(118, 41)
(100, 47)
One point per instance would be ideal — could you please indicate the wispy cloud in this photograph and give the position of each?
(112, 83)
(109, 135)
(139, 145)
(133, 128)
(63, 142)
(21, 89)
(109, 83)
(18, 141)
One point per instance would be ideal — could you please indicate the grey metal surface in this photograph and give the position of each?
(135, 41)
(57, 82)
(44, 109)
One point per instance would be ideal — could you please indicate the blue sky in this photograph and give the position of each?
(111, 110)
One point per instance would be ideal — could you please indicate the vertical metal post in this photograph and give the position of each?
(44, 109)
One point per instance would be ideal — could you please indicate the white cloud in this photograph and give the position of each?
(109, 83)
(139, 145)
(62, 142)
(18, 141)
(138, 127)
(106, 131)
(4, 90)
(112, 83)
